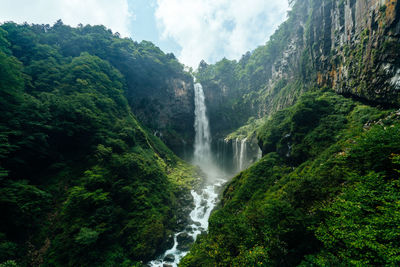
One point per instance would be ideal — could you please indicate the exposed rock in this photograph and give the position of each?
(185, 206)
(203, 203)
(168, 111)
(350, 46)
(184, 241)
(169, 258)
(197, 223)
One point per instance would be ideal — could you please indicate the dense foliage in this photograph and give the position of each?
(82, 182)
(325, 192)
(147, 71)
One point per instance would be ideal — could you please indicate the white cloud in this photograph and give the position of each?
(113, 14)
(211, 29)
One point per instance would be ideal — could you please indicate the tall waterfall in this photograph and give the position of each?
(202, 142)
(205, 199)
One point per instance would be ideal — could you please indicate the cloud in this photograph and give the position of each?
(113, 14)
(212, 29)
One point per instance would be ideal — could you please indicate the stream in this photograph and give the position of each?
(204, 201)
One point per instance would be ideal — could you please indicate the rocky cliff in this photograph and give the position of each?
(350, 46)
(168, 112)
(357, 48)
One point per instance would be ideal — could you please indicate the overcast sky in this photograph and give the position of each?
(192, 29)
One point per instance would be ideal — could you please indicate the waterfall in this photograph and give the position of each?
(241, 154)
(259, 153)
(239, 148)
(243, 151)
(202, 142)
(205, 199)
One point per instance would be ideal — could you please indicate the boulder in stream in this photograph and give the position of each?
(197, 223)
(184, 241)
(169, 258)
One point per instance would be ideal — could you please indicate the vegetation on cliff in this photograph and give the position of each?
(325, 192)
(349, 46)
(82, 182)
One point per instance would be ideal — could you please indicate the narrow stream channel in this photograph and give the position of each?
(205, 202)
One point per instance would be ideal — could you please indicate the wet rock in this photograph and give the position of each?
(169, 243)
(197, 223)
(203, 203)
(169, 258)
(184, 241)
(167, 265)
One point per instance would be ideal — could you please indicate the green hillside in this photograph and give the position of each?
(82, 181)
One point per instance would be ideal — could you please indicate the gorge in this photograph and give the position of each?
(113, 153)
(216, 172)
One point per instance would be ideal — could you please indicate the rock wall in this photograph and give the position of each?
(359, 48)
(349, 46)
(169, 113)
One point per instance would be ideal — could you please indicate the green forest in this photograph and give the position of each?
(332, 199)
(83, 182)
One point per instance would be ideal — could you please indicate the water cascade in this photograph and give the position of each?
(244, 153)
(206, 198)
(202, 141)
(242, 157)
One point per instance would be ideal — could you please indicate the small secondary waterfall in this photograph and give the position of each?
(242, 157)
(244, 153)
(204, 199)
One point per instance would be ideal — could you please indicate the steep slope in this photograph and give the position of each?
(324, 194)
(324, 90)
(83, 183)
(349, 46)
(158, 90)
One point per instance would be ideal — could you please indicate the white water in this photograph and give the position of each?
(244, 154)
(202, 142)
(242, 157)
(204, 204)
(207, 198)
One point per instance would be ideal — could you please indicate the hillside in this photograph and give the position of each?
(83, 182)
(321, 98)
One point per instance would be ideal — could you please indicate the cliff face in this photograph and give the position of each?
(350, 46)
(168, 112)
(359, 47)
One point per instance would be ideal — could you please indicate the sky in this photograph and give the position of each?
(193, 30)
